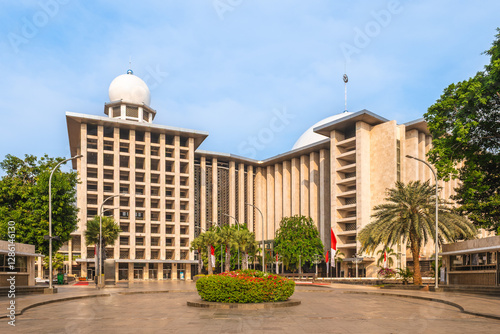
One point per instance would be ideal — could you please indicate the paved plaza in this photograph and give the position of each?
(161, 307)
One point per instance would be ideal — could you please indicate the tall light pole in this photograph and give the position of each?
(436, 266)
(238, 224)
(263, 245)
(100, 235)
(50, 214)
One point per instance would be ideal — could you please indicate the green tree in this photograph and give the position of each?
(209, 239)
(409, 216)
(110, 232)
(390, 254)
(197, 245)
(296, 236)
(57, 262)
(465, 126)
(227, 238)
(246, 242)
(24, 198)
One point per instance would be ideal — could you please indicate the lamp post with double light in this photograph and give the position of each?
(50, 216)
(238, 224)
(263, 245)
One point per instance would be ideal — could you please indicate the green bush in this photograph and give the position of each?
(245, 286)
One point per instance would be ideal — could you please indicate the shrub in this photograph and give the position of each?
(245, 286)
(386, 273)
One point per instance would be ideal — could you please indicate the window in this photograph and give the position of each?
(139, 215)
(124, 176)
(124, 214)
(169, 180)
(139, 228)
(169, 140)
(108, 160)
(139, 241)
(139, 163)
(155, 203)
(169, 167)
(132, 112)
(124, 147)
(91, 129)
(169, 229)
(155, 228)
(184, 141)
(169, 153)
(124, 188)
(145, 115)
(116, 112)
(169, 242)
(124, 134)
(139, 177)
(124, 161)
(139, 136)
(155, 191)
(108, 145)
(183, 155)
(155, 138)
(139, 149)
(92, 199)
(108, 131)
(92, 158)
(155, 216)
(109, 174)
(92, 143)
(124, 241)
(155, 178)
(92, 173)
(124, 201)
(125, 227)
(155, 241)
(108, 187)
(139, 190)
(139, 202)
(92, 186)
(184, 230)
(155, 151)
(169, 217)
(155, 164)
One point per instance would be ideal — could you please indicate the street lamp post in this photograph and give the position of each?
(436, 239)
(238, 224)
(100, 236)
(263, 245)
(50, 215)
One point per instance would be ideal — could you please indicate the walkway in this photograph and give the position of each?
(148, 307)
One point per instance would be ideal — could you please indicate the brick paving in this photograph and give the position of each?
(149, 307)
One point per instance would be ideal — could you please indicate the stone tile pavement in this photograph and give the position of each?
(148, 307)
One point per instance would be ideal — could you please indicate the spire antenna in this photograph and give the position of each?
(346, 79)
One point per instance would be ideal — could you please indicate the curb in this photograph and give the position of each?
(243, 306)
(462, 310)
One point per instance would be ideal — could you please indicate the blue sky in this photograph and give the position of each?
(230, 67)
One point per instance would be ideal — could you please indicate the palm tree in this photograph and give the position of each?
(209, 239)
(110, 232)
(409, 216)
(390, 254)
(246, 241)
(227, 238)
(197, 245)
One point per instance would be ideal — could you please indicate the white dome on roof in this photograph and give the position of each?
(310, 137)
(129, 88)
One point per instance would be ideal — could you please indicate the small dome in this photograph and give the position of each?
(129, 88)
(310, 137)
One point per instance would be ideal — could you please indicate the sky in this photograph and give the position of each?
(255, 74)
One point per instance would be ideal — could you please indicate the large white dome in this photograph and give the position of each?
(310, 137)
(129, 88)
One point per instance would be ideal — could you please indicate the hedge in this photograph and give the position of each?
(245, 286)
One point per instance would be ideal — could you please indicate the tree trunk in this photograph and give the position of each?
(228, 259)
(245, 261)
(200, 262)
(210, 269)
(415, 251)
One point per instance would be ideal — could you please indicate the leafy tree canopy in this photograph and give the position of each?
(296, 236)
(465, 126)
(24, 198)
(110, 231)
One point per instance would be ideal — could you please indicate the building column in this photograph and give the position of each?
(203, 195)
(278, 196)
(174, 272)
(271, 222)
(250, 195)
(287, 195)
(295, 186)
(214, 191)
(232, 192)
(241, 194)
(324, 197)
(304, 185)
(313, 187)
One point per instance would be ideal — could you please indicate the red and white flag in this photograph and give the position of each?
(385, 259)
(212, 255)
(333, 247)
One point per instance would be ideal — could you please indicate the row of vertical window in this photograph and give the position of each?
(139, 149)
(108, 174)
(108, 132)
(108, 161)
(154, 241)
(154, 228)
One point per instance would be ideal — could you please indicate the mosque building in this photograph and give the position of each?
(336, 172)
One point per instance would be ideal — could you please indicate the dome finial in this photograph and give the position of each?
(130, 71)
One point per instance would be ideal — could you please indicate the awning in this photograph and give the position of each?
(473, 250)
(4, 251)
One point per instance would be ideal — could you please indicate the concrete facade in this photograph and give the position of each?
(175, 190)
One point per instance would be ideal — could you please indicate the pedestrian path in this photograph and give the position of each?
(478, 305)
